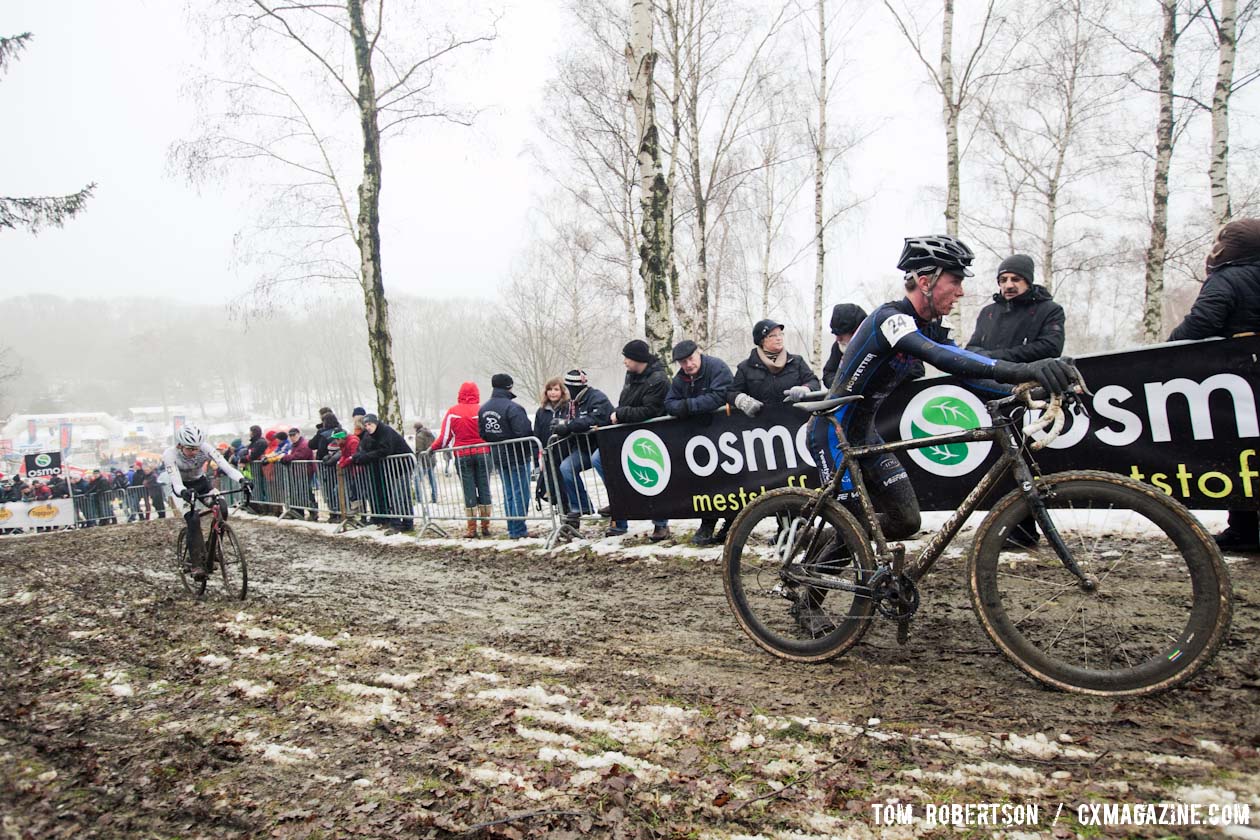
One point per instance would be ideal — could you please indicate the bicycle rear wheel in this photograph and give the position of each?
(194, 587)
(1157, 615)
(771, 546)
(231, 562)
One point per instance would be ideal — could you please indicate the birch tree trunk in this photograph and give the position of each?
(376, 307)
(950, 111)
(820, 180)
(1218, 168)
(655, 242)
(699, 193)
(1152, 313)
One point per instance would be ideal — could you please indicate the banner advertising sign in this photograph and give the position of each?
(178, 422)
(66, 435)
(47, 514)
(1181, 417)
(30, 431)
(43, 465)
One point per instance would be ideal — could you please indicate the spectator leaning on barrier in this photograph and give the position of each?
(588, 407)
(769, 371)
(424, 460)
(845, 318)
(389, 480)
(552, 404)
(302, 495)
(1022, 324)
(459, 429)
(501, 418)
(1228, 304)
(700, 387)
(642, 398)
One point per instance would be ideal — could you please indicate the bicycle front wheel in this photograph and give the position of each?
(1154, 614)
(790, 582)
(231, 562)
(194, 587)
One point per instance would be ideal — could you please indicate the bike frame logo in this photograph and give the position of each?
(645, 462)
(942, 410)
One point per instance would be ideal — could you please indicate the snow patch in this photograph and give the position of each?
(121, 690)
(251, 689)
(283, 754)
(404, 681)
(582, 761)
(214, 660)
(87, 634)
(534, 695)
(488, 773)
(546, 662)
(312, 641)
(547, 736)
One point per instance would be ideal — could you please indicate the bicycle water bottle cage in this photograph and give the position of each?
(827, 406)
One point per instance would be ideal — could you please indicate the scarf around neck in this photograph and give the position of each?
(775, 363)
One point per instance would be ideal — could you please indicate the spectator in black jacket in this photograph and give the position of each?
(588, 407)
(327, 470)
(501, 418)
(1228, 304)
(388, 478)
(1023, 324)
(642, 398)
(700, 387)
(845, 318)
(769, 372)
(552, 405)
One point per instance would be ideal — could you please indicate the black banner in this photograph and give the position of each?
(1181, 417)
(43, 465)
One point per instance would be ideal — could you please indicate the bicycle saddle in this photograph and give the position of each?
(827, 406)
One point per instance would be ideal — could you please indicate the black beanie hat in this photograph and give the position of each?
(845, 318)
(684, 348)
(637, 351)
(1020, 264)
(501, 380)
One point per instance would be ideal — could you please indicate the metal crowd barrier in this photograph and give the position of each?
(452, 485)
(575, 486)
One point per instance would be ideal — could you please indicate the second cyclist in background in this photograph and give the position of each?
(185, 472)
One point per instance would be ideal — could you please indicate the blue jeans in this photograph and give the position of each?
(577, 502)
(620, 524)
(426, 471)
(515, 478)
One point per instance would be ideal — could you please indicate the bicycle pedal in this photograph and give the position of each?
(903, 633)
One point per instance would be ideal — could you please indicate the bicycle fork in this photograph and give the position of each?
(1041, 514)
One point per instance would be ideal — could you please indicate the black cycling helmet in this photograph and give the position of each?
(938, 251)
(763, 328)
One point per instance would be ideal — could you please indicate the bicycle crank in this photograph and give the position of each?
(895, 596)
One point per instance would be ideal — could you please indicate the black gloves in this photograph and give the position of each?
(247, 486)
(1056, 376)
(560, 427)
(186, 494)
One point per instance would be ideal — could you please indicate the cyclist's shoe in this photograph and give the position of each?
(814, 621)
(1231, 539)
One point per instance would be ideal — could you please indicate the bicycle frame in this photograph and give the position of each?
(1002, 432)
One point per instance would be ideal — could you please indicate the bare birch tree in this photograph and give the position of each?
(277, 123)
(1225, 21)
(656, 234)
(33, 213)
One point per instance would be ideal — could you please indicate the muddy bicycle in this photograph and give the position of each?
(223, 552)
(1127, 594)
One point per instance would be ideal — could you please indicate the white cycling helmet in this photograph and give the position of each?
(190, 436)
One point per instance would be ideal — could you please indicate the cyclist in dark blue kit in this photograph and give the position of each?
(885, 351)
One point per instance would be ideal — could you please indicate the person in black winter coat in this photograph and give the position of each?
(499, 419)
(1228, 304)
(1023, 324)
(701, 386)
(389, 479)
(845, 319)
(588, 407)
(642, 398)
(552, 405)
(769, 372)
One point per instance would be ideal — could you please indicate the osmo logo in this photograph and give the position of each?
(645, 463)
(42, 459)
(940, 411)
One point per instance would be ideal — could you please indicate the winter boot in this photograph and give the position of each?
(471, 533)
(486, 512)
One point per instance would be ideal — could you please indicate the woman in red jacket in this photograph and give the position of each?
(459, 429)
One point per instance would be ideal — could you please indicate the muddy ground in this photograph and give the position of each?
(367, 689)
